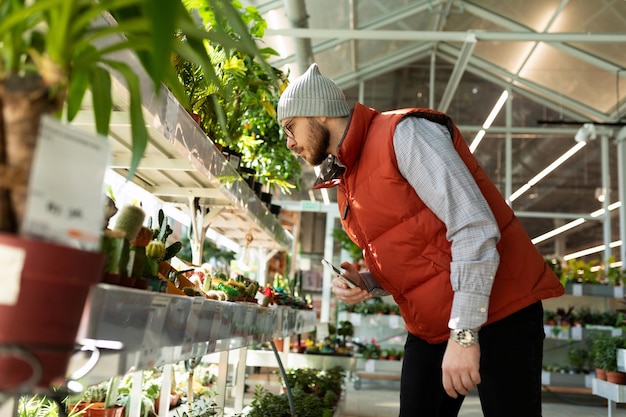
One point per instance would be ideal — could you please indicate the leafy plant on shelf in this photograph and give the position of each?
(578, 358)
(369, 350)
(604, 351)
(315, 394)
(150, 390)
(248, 123)
(41, 406)
(579, 271)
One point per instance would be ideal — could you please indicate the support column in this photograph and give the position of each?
(326, 278)
(621, 188)
(606, 188)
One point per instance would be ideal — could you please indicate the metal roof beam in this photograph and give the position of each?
(516, 27)
(457, 73)
(480, 66)
(416, 35)
(399, 59)
(383, 21)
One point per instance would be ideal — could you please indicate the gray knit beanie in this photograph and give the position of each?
(312, 94)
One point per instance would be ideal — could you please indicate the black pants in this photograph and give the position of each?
(511, 352)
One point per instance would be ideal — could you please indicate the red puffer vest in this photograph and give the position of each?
(404, 243)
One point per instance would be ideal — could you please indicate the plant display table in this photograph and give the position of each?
(612, 392)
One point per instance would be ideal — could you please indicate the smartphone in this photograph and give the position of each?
(338, 274)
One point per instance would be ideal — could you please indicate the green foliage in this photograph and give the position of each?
(578, 357)
(369, 350)
(267, 404)
(210, 251)
(577, 270)
(40, 406)
(149, 392)
(604, 351)
(314, 392)
(241, 115)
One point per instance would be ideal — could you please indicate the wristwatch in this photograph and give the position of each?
(464, 337)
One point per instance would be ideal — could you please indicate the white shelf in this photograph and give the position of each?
(156, 329)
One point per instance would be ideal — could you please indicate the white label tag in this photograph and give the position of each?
(66, 198)
(12, 261)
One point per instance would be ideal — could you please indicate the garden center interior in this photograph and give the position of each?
(538, 90)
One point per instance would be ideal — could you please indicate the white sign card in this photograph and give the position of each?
(12, 260)
(66, 193)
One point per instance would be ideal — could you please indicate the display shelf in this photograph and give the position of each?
(300, 360)
(597, 290)
(181, 164)
(612, 392)
(157, 329)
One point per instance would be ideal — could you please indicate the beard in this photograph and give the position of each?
(319, 138)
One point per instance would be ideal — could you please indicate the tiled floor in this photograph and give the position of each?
(376, 399)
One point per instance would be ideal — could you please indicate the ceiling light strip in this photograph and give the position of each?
(573, 224)
(492, 116)
(554, 165)
(590, 251)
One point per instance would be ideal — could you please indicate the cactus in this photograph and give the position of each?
(155, 250)
(172, 250)
(130, 221)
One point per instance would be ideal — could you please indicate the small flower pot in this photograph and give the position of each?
(616, 377)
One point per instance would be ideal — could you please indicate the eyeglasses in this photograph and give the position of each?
(287, 129)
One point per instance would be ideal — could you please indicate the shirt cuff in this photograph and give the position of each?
(469, 311)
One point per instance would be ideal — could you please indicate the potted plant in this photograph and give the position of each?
(98, 400)
(41, 406)
(52, 53)
(605, 357)
(578, 358)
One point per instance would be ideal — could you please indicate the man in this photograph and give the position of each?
(438, 236)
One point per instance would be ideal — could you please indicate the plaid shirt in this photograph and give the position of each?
(427, 159)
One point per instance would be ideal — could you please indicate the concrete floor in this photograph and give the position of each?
(380, 399)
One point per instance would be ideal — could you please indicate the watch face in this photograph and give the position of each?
(464, 337)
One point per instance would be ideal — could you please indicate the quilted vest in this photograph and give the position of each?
(404, 244)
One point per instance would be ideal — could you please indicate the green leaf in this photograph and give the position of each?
(163, 25)
(138, 129)
(102, 101)
(76, 92)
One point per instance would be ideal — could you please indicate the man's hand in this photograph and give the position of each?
(460, 368)
(348, 295)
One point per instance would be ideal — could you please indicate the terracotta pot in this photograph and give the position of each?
(97, 410)
(616, 377)
(53, 285)
(601, 374)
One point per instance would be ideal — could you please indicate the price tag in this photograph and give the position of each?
(152, 336)
(66, 198)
